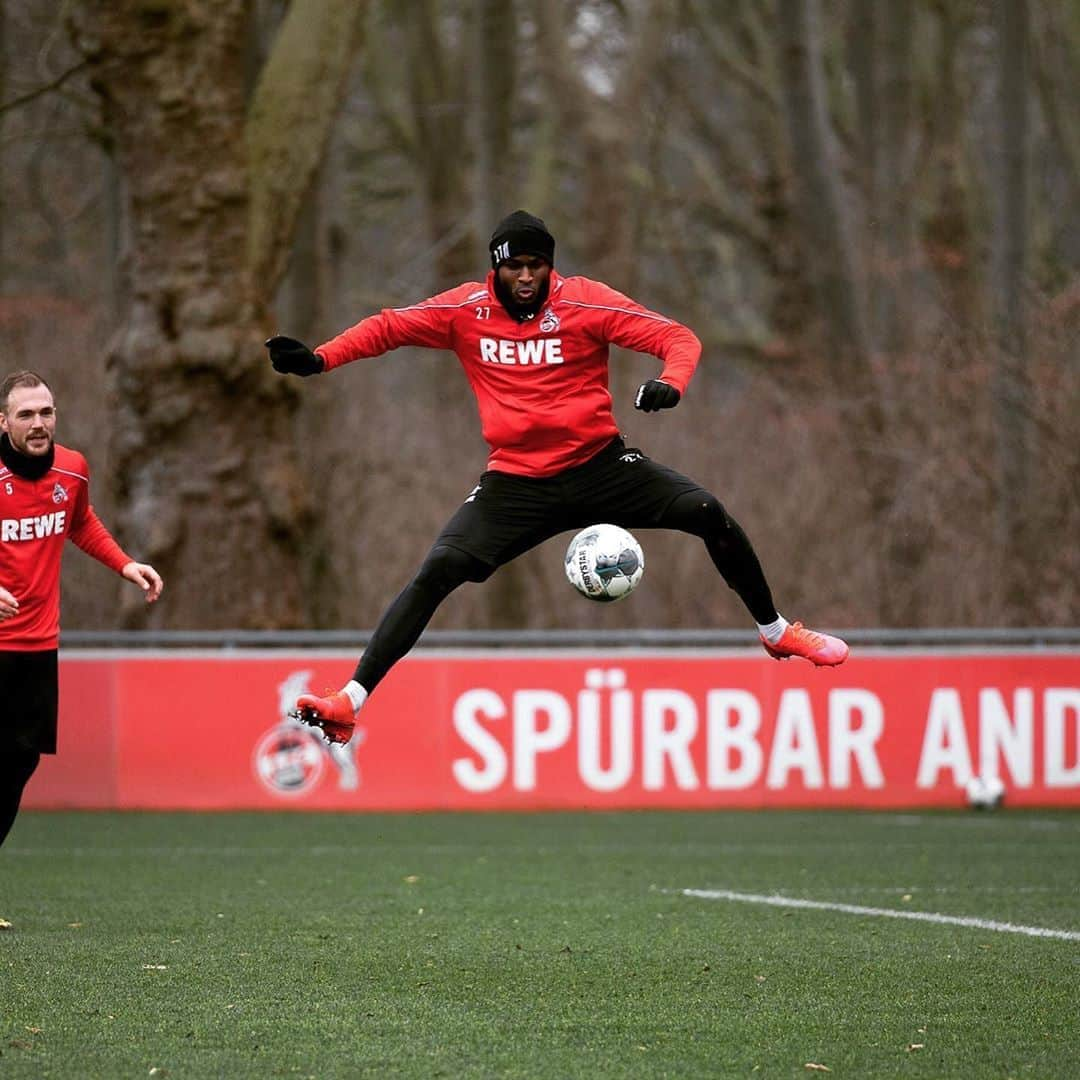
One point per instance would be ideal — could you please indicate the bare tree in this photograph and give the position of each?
(1012, 395)
(214, 185)
(493, 94)
(825, 218)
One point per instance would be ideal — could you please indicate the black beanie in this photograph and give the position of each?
(521, 234)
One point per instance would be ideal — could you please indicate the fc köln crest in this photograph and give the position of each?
(549, 322)
(59, 493)
(290, 758)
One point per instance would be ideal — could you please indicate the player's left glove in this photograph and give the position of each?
(292, 357)
(655, 395)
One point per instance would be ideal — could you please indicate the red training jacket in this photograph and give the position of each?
(36, 517)
(541, 385)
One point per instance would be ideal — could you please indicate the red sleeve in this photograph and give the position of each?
(87, 530)
(628, 324)
(427, 324)
(91, 535)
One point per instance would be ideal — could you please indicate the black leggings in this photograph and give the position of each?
(445, 568)
(701, 514)
(17, 765)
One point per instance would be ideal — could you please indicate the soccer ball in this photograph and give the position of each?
(604, 562)
(985, 792)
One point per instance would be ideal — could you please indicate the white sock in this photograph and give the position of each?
(774, 631)
(355, 693)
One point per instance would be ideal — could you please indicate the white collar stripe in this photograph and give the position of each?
(427, 307)
(624, 311)
(67, 472)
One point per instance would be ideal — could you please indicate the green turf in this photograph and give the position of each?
(536, 946)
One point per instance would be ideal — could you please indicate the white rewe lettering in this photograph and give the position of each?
(531, 352)
(43, 526)
(33, 528)
(521, 353)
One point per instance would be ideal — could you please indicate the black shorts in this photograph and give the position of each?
(506, 515)
(29, 700)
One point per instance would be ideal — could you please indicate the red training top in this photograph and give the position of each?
(36, 517)
(541, 385)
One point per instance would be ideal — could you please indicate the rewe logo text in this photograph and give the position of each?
(32, 528)
(537, 351)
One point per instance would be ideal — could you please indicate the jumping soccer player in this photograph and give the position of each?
(534, 346)
(44, 500)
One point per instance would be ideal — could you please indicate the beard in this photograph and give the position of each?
(521, 312)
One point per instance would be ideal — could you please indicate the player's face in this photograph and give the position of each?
(524, 277)
(30, 420)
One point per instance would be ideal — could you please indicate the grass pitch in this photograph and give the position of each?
(546, 945)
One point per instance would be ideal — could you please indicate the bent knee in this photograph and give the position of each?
(445, 568)
(698, 512)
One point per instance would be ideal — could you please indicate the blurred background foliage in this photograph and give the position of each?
(867, 209)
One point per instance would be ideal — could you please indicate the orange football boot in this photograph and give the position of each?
(333, 715)
(822, 650)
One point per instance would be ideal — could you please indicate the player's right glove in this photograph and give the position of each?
(655, 395)
(292, 357)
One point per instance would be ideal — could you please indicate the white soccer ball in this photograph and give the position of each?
(604, 562)
(985, 792)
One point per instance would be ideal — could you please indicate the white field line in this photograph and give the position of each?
(886, 913)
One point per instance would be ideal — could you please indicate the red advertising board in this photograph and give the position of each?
(566, 730)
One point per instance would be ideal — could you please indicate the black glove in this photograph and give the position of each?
(655, 395)
(292, 357)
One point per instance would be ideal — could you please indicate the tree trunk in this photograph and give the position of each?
(1012, 395)
(200, 425)
(894, 270)
(947, 232)
(824, 217)
(605, 130)
(492, 91)
(437, 85)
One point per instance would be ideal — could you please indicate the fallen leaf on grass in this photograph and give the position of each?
(815, 1067)
(154, 967)
(4, 924)
(412, 879)
(915, 1046)
(74, 925)
(34, 1030)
